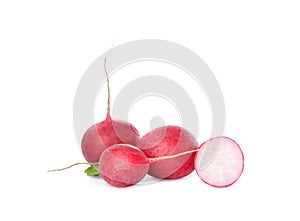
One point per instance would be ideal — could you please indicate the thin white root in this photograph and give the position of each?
(107, 79)
(151, 160)
(75, 164)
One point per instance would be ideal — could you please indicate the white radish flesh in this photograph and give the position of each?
(219, 162)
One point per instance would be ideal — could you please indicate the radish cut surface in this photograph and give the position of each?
(219, 162)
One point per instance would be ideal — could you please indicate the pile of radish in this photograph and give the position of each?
(116, 152)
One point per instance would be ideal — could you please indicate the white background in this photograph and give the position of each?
(252, 47)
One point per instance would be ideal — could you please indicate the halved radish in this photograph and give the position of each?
(219, 162)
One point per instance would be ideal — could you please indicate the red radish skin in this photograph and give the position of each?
(106, 133)
(226, 164)
(123, 165)
(166, 141)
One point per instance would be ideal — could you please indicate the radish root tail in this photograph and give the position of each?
(107, 81)
(72, 165)
(151, 160)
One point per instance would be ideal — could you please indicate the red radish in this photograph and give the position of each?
(123, 165)
(219, 162)
(106, 133)
(166, 141)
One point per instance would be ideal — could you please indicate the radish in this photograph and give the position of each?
(165, 141)
(123, 165)
(219, 162)
(106, 133)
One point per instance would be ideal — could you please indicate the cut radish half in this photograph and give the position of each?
(219, 162)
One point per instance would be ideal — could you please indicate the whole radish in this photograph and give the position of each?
(123, 165)
(166, 141)
(106, 133)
